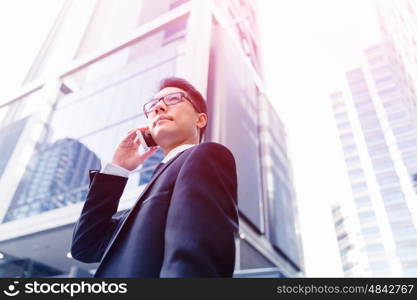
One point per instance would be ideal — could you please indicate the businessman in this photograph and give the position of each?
(184, 222)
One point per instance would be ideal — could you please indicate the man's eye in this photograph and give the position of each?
(174, 99)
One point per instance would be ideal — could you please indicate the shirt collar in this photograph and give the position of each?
(176, 150)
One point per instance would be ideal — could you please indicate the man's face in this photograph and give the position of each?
(182, 120)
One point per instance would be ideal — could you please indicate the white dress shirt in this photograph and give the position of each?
(116, 170)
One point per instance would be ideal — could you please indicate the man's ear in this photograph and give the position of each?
(202, 120)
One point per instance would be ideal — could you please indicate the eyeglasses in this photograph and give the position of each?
(170, 99)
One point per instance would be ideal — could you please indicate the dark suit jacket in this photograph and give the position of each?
(182, 225)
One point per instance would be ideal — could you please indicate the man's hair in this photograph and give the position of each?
(191, 92)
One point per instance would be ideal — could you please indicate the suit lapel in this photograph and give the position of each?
(155, 176)
(140, 200)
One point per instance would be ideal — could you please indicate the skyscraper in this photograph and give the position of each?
(377, 231)
(398, 23)
(85, 90)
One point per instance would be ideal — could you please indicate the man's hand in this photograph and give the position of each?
(126, 154)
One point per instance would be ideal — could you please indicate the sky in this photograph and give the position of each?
(23, 27)
(306, 46)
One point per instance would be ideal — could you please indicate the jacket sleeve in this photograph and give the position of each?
(99, 217)
(202, 218)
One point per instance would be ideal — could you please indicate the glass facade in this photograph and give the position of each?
(56, 176)
(26, 268)
(239, 97)
(386, 137)
(88, 122)
(273, 214)
(9, 135)
(399, 28)
(282, 211)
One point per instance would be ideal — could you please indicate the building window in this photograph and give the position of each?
(356, 173)
(359, 87)
(339, 222)
(376, 59)
(382, 164)
(177, 3)
(380, 266)
(366, 216)
(397, 116)
(407, 251)
(359, 187)
(377, 150)
(342, 236)
(374, 248)
(398, 213)
(343, 125)
(175, 30)
(355, 75)
(402, 130)
(347, 137)
(410, 271)
(383, 79)
(381, 71)
(370, 231)
(341, 115)
(392, 103)
(363, 201)
(405, 232)
(336, 96)
(360, 94)
(347, 267)
(410, 161)
(352, 160)
(374, 50)
(345, 250)
(408, 144)
(392, 196)
(414, 179)
(376, 137)
(349, 149)
(386, 179)
(367, 114)
(363, 103)
(338, 105)
(370, 124)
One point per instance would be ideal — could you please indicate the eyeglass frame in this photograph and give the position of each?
(183, 95)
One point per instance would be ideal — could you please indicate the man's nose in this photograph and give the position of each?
(160, 106)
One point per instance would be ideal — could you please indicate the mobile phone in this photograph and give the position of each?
(145, 139)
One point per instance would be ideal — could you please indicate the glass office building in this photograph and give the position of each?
(377, 231)
(85, 90)
(398, 24)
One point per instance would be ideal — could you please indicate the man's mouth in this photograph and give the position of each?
(160, 121)
(164, 118)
